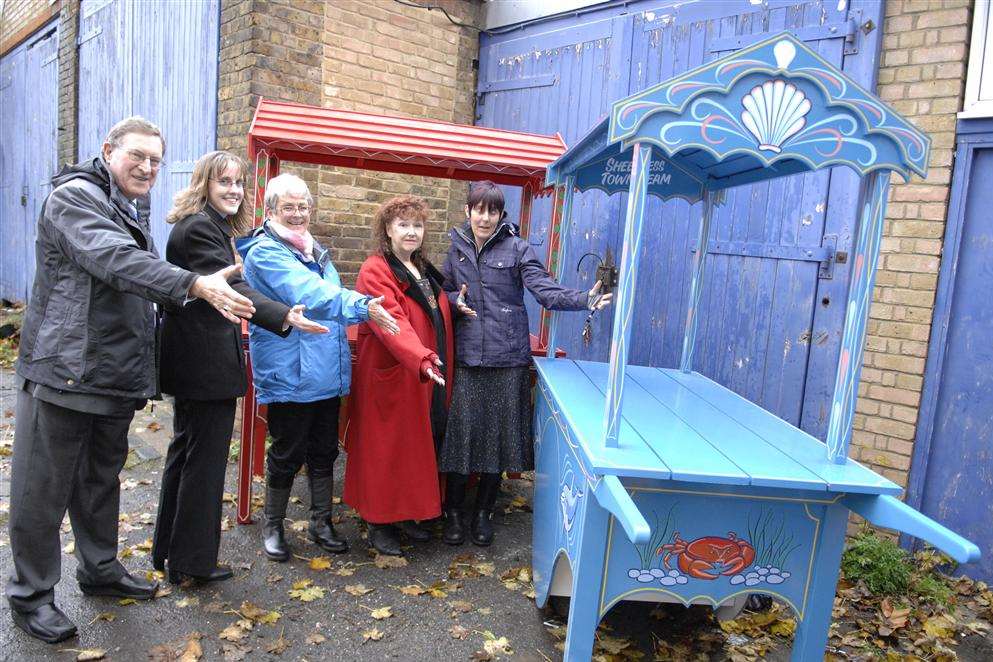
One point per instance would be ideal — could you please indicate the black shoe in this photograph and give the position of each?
(454, 531)
(482, 528)
(383, 539)
(128, 586)
(413, 530)
(218, 574)
(47, 623)
(273, 536)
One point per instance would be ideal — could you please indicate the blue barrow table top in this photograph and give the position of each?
(686, 427)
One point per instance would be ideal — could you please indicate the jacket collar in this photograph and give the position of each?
(468, 243)
(219, 220)
(322, 256)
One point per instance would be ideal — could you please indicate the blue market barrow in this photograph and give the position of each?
(660, 484)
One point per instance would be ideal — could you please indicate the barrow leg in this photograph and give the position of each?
(587, 580)
(812, 632)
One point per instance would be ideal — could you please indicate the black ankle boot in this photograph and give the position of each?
(273, 536)
(321, 529)
(454, 532)
(413, 530)
(482, 528)
(482, 525)
(383, 538)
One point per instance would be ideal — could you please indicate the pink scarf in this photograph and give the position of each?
(303, 242)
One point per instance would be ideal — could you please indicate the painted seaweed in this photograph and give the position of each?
(648, 552)
(772, 541)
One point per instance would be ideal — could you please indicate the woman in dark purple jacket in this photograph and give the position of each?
(489, 426)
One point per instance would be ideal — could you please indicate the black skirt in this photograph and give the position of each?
(489, 422)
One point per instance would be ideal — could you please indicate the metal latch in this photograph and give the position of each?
(826, 270)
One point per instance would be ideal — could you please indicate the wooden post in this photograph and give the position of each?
(552, 258)
(864, 261)
(527, 197)
(624, 297)
(252, 449)
(561, 259)
(696, 284)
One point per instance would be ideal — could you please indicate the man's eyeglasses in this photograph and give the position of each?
(139, 157)
(227, 182)
(289, 209)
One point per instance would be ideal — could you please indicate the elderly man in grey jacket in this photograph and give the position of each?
(87, 362)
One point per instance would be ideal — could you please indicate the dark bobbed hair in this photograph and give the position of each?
(487, 194)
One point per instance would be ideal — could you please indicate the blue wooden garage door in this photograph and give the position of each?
(951, 477)
(29, 81)
(157, 60)
(772, 309)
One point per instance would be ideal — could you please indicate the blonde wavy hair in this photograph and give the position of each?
(193, 198)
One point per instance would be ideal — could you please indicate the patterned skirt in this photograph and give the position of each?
(489, 422)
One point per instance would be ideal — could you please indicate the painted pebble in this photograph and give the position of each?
(633, 573)
(737, 579)
(752, 581)
(668, 581)
(775, 579)
(681, 579)
(673, 573)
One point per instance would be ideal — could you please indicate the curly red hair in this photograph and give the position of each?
(408, 207)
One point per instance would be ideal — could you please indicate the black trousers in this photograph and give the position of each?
(188, 526)
(63, 459)
(301, 432)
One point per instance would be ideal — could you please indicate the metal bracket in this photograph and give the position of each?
(83, 38)
(826, 270)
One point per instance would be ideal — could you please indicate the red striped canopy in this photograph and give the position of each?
(311, 134)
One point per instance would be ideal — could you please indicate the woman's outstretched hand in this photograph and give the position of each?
(434, 375)
(595, 301)
(296, 319)
(460, 302)
(382, 318)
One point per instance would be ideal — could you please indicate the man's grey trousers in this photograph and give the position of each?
(63, 459)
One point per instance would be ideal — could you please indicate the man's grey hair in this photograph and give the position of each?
(281, 185)
(133, 124)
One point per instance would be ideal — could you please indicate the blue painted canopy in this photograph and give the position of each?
(775, 108)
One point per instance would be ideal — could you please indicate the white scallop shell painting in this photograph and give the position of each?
(774, 111)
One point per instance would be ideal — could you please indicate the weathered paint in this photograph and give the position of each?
(951, 477)
(767, 326)
(157, 60)
(28, 153)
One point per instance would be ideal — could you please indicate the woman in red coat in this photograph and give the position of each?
(401, 384)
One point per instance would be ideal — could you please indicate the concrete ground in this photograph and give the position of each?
(469, 596)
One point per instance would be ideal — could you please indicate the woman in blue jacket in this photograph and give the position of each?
(301, 377)
(489, 426)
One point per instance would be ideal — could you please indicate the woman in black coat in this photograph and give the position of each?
(203, 366)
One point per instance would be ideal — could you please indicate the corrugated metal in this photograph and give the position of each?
(157, 60)
(297, 132)
(769, 328)
(28, 153)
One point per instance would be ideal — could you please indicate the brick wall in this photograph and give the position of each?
(68, 80)
(372, 56)
(922, 74)
(20, 18)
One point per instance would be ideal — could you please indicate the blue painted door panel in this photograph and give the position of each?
(957, 489)
(769, 327)
(29, 81)
(157, 60)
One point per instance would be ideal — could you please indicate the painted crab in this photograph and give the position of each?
(709, 557)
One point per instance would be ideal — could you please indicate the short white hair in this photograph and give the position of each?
(281, 185)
